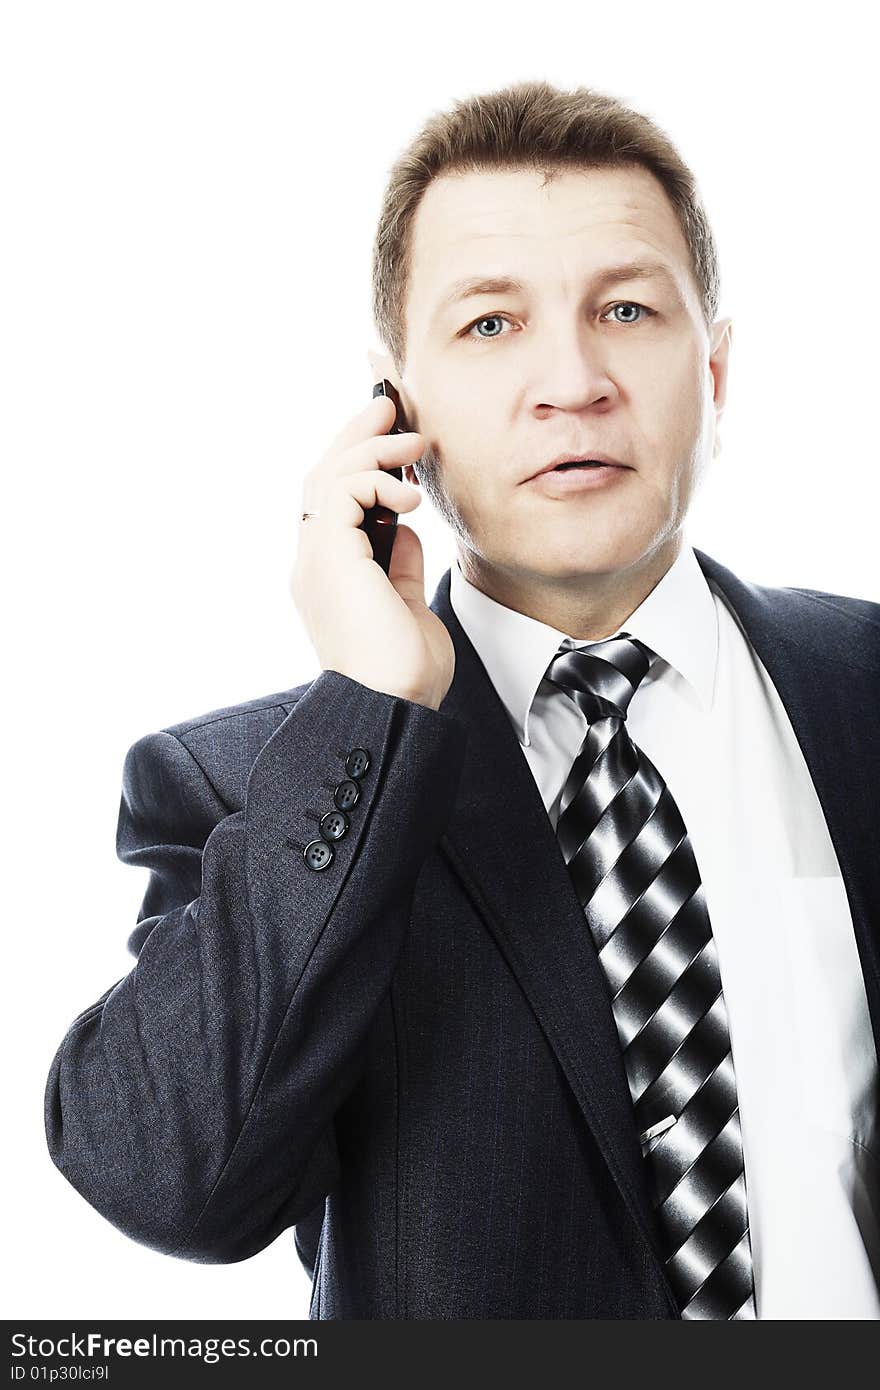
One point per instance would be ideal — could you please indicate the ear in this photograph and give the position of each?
(382, 366)
(719, 356)
(719, 363)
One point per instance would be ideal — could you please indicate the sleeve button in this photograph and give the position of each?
(346, 795)
(318, 854)
(357, 762)
(333, 825)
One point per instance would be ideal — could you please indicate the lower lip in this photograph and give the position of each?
(561, 483)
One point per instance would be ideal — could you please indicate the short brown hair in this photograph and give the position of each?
(536, 126)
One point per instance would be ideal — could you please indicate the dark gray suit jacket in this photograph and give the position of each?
(409, 1055)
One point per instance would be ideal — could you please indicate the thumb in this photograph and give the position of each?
(407, 568)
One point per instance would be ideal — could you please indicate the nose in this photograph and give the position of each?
(570, 371)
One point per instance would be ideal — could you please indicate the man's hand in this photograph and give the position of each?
(375, 628)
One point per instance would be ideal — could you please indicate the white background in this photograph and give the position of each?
(190, 192)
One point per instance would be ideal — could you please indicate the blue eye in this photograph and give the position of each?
(629, 304)
(502, 318)
(487, 318)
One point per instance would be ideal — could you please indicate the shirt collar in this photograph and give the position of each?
(677, 620)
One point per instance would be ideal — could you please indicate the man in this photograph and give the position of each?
(526, 960)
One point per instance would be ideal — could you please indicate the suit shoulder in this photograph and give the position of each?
(246, 711)
(839, 627)
(843, 603)
(225, 742)
(815, 606)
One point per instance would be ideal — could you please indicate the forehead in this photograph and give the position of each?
(511, 222)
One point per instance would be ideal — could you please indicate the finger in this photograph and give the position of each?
(346, 499)
(375, 418)
(381, 451)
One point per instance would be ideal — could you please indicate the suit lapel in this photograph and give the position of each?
(824, 663)
(502, 846)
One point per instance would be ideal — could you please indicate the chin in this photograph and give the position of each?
(601, 557)
(565, 571)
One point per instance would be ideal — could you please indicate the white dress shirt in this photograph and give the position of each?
(709, 718)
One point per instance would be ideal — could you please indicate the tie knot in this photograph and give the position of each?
(602, 678)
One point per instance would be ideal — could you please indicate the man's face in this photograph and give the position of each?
(502, 382)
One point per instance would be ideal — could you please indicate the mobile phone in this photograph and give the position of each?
(380, 523)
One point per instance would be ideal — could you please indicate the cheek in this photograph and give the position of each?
(470, 488)
(669, 419)
(470, 471)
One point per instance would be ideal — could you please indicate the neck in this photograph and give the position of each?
(587, 607)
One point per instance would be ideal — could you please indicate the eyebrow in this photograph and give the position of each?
(505, 284)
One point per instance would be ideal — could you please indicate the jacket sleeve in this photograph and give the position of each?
(193, 1104)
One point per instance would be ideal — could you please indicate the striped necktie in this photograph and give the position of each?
(636, 877)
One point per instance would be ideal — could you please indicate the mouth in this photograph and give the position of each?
(574, 476)
(581, 463)
(568, 463)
